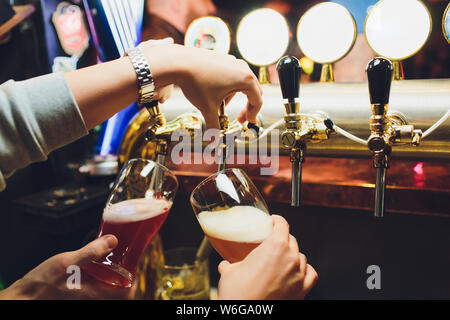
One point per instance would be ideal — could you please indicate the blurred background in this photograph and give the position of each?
(340, 242)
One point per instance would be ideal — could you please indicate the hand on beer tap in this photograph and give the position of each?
(275, 270)
(205, 77)
(50, 279)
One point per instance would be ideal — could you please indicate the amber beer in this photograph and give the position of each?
(134, 222)
(236, 231)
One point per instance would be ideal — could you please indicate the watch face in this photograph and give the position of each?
(208, 33)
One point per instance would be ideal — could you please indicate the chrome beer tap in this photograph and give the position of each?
(386, 129)
(300, 128)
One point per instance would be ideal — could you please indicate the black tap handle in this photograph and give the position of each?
(379, 75)
(289, 71)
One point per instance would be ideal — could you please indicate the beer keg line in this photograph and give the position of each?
(347, 134)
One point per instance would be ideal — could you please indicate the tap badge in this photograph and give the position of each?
(208, 33)
(71, 29)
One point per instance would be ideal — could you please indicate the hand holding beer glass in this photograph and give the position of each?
(232, 213)
(137, 207)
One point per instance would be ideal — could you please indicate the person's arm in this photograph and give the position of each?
(42, 114)
(37, 116)
(274, 270)
(205, 77)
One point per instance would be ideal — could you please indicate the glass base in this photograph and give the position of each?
(111, 274)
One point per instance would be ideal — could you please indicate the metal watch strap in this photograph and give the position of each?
(144, 76)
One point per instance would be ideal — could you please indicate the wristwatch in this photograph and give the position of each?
(144, 76)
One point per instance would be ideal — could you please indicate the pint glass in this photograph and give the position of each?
(137, 207)
(232, 213)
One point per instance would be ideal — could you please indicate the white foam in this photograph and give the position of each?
(135, 210)
(239, 223)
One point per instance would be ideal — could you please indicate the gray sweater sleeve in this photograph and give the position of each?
(37, 116)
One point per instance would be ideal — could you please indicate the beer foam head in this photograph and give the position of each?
(135, 210)
(239, 223)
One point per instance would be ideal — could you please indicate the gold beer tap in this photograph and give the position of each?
(386, 129)
(223, 123)
(157, 122)
(159, 131)
(300, 128)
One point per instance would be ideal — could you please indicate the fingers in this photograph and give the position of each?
(280, 229)
(254, 96)
(303, 265)
(252, 89)
(293, 244)
(165, 93)
(94, 250)
(310, 279)
(229, 97)
(211, 119)
(223, 266)
(242, 117)
(167, 40)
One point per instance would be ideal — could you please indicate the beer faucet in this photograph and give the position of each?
(386, 129)
(300, 128)
(157, 121)
(160, 132)
(223, 123)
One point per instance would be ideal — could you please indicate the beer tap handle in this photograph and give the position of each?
(379, 75)
(289, 72)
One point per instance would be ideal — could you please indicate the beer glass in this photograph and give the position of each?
(182, 277)
(137, 207)
(232, 213)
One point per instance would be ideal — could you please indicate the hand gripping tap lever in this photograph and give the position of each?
(300, 128)
(229, 131)
(386, 129)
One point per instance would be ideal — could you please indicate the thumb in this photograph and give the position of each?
(95, 250)
(223, 266)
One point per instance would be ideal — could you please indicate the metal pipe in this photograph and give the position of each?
(380, 187)
(296, 183)
(423, 102)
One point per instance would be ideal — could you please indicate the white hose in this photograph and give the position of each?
(349, 135)
(436, 124)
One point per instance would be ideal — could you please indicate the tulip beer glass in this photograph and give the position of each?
(137, 207)
(232, 213)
